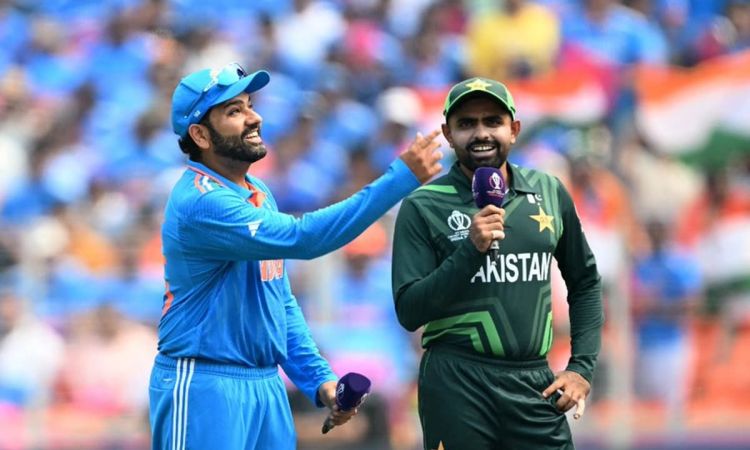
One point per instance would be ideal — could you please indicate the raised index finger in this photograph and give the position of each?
(424, 140)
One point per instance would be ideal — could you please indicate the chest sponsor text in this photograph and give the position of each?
(515, 267)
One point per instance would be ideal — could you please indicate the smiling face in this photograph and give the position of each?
(481, 132)
(233, 131)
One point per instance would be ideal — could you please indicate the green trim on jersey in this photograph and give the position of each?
(543, 312)
(470, 324)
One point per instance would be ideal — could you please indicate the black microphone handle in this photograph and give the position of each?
(327, 425)
(494, 251)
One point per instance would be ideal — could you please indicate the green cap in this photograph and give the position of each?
(474, 86)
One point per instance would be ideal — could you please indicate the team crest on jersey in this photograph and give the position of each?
(459, 223)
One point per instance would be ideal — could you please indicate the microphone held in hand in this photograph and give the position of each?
(488, 188)
(351, 391)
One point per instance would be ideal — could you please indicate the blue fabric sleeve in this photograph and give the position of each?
(223, 226)
(304, 365)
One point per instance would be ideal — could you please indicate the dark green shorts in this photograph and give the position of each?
(468, 402)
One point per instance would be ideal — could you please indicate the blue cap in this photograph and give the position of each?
(204, 89)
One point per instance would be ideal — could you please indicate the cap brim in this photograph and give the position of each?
(477, 93)
(251, 83)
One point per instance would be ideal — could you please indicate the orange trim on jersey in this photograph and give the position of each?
(197, 183)
(169, 299)
(257, 197)
(206, 175)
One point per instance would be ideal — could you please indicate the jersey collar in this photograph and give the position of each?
(204, 170)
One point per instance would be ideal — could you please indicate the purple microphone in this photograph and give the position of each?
(488, 188)
(351, 391)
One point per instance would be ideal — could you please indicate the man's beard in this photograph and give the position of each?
(497, 160)
(235, 147)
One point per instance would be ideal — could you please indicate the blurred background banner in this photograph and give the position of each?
(639, 106)
(698, 113)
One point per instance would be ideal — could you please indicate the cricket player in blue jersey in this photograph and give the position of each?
(229, 319)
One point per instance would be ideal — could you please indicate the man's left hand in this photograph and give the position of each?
(327, 395)
(573, 390)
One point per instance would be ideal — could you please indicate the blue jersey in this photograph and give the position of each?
(228, 297)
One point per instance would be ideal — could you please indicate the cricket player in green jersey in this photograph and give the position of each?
(484, 381)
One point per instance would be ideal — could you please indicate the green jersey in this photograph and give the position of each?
(503, 310)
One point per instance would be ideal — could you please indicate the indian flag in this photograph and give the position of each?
(568, 97)
(701, 114)
(565, 97)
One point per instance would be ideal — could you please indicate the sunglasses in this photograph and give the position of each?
(227, 76)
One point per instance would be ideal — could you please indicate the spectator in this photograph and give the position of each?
(518, 40)
(31, 353)
(667, 290)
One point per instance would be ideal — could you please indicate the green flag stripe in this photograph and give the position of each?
(482, 317)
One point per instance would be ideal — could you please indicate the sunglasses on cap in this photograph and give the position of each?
(226, 76)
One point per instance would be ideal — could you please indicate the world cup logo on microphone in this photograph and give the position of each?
(496, 181)
(488, 187)
(496, 185)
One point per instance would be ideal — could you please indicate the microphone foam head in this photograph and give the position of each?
(488, 187)
(351, 390)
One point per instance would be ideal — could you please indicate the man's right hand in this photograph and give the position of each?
(486, 226)
(423, 156)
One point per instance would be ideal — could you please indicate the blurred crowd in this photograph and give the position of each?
(88, 158)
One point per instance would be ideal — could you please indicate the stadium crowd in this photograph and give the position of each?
(88, 157)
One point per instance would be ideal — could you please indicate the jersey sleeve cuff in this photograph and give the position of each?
(580, 370)
(316, 395)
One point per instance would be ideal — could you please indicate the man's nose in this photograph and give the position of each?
(482, 132)
(253, 118)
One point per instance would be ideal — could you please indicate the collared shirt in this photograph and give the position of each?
(228, 297)
(503, 310)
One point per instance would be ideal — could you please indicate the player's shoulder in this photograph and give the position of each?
(535, 178)
(195, 187)
(442, 186)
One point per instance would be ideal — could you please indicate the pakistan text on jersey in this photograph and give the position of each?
(515, 267)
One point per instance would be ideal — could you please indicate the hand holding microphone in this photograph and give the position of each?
(351, 391)
(488, 188)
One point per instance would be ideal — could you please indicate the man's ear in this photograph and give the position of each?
(447, 134)
(201, 135)
(515, 130)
